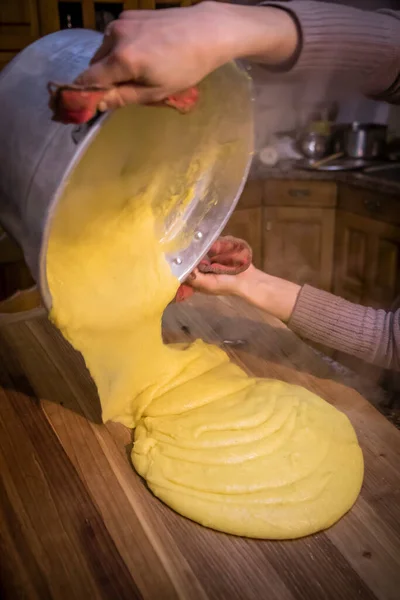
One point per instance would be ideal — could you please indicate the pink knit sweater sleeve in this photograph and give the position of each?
(359, 48)
(372, 335)
(362, 49)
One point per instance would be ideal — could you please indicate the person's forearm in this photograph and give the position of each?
(372, 335)
(320, 41)
(267, 35)
(360, 48)
(272, 294)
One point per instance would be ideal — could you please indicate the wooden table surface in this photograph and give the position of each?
(76, 522)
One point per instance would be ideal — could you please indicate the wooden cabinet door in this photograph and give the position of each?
(92, 14)
(155, 4)
(252, 195)
(246, 224)
(19, 27)
(298, 244)
(367, 260)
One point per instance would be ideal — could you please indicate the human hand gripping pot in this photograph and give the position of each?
(228, 256)
(272, 294)
(147, 56)
(372, 335)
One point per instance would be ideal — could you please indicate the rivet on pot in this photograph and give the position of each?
(178, 260)
(198, 235)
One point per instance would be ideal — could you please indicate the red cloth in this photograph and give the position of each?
(78, 104)
(227, 256)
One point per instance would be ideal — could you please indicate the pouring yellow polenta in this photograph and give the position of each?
(246, 456)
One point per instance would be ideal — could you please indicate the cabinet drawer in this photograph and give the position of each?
(366, 203)
(298, 192)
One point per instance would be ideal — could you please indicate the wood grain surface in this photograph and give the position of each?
(76, 522)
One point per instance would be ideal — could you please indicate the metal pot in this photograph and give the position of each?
(360, 140)
(313, 145)
(206, 153)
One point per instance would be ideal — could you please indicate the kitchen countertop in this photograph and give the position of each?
(289, 170)
(77, 522)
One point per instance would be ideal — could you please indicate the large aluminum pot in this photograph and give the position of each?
(360, 140)
(205, 154)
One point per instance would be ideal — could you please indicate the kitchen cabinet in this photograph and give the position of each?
(252, 195)
(383, 207)
(298, 230)
(19, 27)
(246, 220)
(91, 14)
(57, 14)
(367, 247)
(367, 260)
(23, 21)
(300, 192)
(298, 244)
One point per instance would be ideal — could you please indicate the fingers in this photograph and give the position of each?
(231, 252)
(112, 62)
(209, 283)
(106, 72)
(199, 281)
(136, 62)
(124, 94)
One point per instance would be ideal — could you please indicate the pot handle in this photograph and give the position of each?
(80, 131)
(21, 306)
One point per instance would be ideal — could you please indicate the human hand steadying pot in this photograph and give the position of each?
(227, 270)
(147, 56)
(227, 258)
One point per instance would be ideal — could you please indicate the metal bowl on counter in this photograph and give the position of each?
(313, 145)
(360, 140)
(199, 161)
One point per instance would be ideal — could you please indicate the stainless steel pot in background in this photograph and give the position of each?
(360, 140)
(313, 145)
(205, 154)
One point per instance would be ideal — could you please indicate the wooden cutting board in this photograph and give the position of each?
(76, 522)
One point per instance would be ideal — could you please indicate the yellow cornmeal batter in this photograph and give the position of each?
(247, 456)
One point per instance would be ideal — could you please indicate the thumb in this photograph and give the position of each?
(105, 73)
(204, 282)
